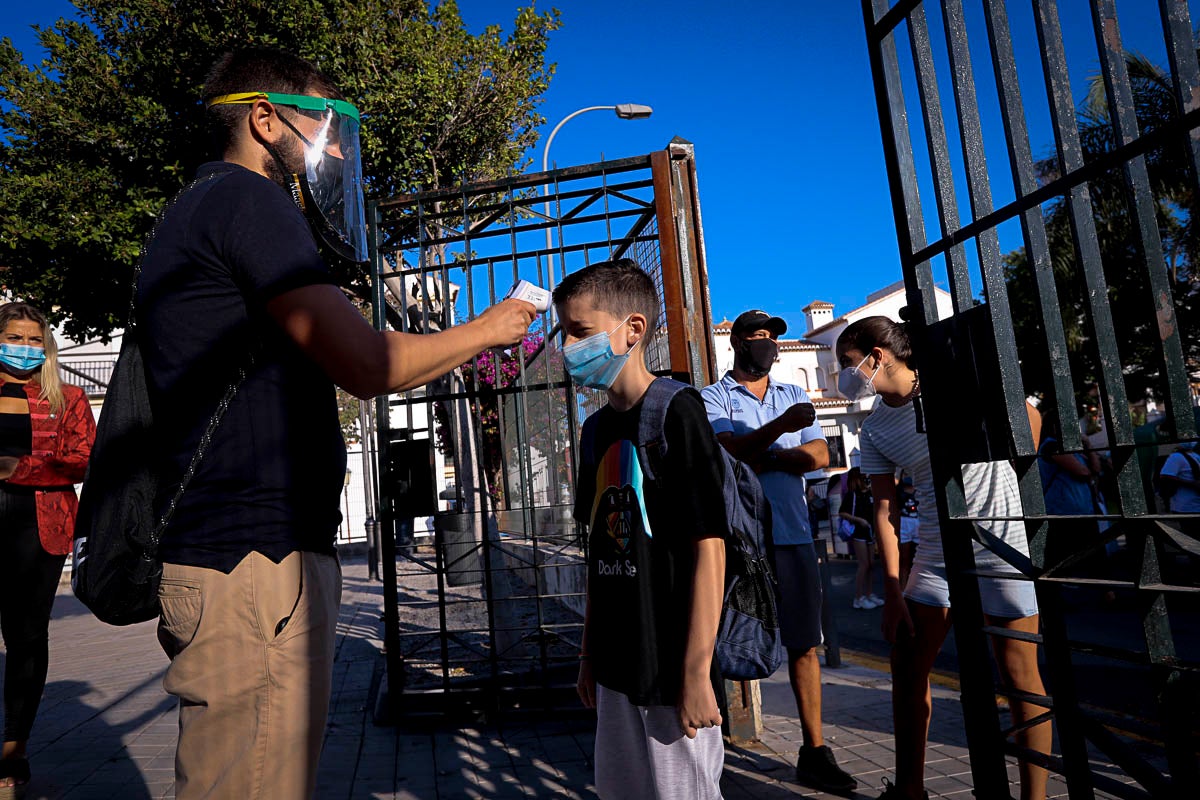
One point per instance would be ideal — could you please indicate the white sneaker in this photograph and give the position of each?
(875, 601)
(863, 603)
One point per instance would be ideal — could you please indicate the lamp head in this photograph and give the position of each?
(633, 111)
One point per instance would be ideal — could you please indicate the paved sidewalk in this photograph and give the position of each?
(107, 729)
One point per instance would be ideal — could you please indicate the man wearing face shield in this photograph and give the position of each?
(236, 278)
(772, 426)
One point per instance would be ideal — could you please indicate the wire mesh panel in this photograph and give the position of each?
(1062, 222)
(487, 580)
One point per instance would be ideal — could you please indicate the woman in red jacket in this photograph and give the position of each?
(46, 433)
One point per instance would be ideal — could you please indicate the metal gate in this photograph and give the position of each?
(1083, 280)
(483, 567)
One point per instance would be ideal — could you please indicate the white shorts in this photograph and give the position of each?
(1002, 597)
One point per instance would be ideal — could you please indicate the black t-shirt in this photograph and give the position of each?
(16, 430)
(270, 480)
(859, 504)
(640, 557)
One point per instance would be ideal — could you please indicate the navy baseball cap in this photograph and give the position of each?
(755, 319)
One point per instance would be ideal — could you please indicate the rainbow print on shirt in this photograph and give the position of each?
(619, 482)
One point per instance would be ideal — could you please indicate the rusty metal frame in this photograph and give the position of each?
(645, 207)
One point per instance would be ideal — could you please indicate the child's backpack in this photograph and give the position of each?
(748, 641)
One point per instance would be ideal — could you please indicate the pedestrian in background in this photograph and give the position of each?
(858, 511)
(46, 435)
(772, 426)
(876, 356)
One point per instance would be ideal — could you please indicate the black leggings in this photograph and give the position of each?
(28, 580)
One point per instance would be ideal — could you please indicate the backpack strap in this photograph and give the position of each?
(587, 443)
(1192, 462)
(652, 425)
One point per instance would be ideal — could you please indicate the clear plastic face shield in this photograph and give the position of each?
(331, 189)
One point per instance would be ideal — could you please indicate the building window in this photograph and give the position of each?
(820, 378)
(837, 446)
(802, 377)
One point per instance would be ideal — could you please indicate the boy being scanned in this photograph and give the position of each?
(656, 561)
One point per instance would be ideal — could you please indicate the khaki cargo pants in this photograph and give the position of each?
(252, 665)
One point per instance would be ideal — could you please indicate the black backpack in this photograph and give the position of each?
(748, 646)
(115, 568)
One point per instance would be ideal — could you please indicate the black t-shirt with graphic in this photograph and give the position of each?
(641, 535)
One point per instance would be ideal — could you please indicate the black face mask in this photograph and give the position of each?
(756, 356)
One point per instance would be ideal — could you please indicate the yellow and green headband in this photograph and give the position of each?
(301, 101)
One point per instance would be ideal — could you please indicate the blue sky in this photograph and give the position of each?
(776, 95)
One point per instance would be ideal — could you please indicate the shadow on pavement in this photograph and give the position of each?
(83, 756)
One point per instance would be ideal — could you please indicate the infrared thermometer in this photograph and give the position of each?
(531, 293)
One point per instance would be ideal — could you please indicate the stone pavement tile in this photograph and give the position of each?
(942, 785)
(543, 779)
(951, 767)
(501, 783)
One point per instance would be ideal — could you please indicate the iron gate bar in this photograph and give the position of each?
(531, 204)
(980, 194)
(1033, 225)
(387, 544)
(479, 261)
(673, 290)
(902, 183)
(532, 180)
(1185, 69)
(988, 770)
(939, 158)
(1095, 166)
(457, 237)
(1125, 130)
(884, 20)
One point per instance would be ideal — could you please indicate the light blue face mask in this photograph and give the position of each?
(591, 362)
(22, 358)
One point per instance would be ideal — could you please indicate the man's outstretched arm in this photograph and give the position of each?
(367, 362)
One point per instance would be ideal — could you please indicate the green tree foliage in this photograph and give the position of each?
(1173, 186)
(98, 136)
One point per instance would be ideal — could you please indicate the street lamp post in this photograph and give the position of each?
(623, 111)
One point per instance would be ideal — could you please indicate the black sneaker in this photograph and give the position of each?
(892, 792)
(815, 767)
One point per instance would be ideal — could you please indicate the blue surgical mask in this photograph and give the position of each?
(22, 358)
(591, 362)
(854, 384)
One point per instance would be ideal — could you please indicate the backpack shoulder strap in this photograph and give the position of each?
(652, 425)
(1192, 462)
(587, 442)
(130, 322)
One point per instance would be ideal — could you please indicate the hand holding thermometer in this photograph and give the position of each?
(531, 293)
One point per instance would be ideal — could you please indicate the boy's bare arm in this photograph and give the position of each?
(585, 684)
(697, 702)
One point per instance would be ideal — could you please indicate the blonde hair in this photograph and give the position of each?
(46, 376)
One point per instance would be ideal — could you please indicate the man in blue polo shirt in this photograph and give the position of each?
(772, 426)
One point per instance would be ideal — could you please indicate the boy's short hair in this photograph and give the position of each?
(619, 287)
(256, 69)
